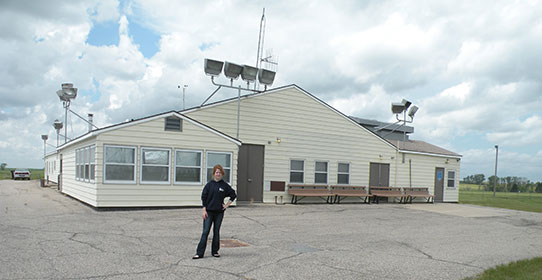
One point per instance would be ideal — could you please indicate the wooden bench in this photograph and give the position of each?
(393, 192)
(342, 192)
(298, 192)
(412, 193)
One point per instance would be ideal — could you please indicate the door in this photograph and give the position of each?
(379, 174)
(250, 173)
(439, 184)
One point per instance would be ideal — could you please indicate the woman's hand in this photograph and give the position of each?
(224, 206)
(204, 214)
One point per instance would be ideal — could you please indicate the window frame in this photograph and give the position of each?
(124, 182)
(207, 167)
(448, 179)
(343, 173)
(298, 171)
(83, 160)
(141, 181)
(320, 172)
(201, 167)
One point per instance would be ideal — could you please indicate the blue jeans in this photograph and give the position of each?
(212, 218)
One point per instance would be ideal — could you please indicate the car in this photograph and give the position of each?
(23, 174)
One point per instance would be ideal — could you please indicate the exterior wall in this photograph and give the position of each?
(52, 167)
(423, 173)
(71, 186)
(152, 134)
(308, 130)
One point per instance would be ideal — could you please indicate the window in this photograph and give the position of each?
(174, 124)
(223, 159)
(155, 165)
(343, 173)
(119, 164)
(451, 179)
(297, 170)
(84, 164)
(320, 172)
(188, 166)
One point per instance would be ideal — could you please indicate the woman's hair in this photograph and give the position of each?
(219, 167)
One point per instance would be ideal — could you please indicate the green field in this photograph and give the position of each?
(34, 173)
(469, 194)
(520, 270)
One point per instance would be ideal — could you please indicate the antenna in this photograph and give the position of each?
(261, 36)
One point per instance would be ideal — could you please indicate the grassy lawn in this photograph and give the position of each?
(531, 202)
(521, 270)
(34, 173)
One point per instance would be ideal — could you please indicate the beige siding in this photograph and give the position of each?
(423, 173)
(152, 134)
(308, 130)
(52, 167)
(84, 191)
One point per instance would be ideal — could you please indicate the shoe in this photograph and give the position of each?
(196, 257)
(216, 255)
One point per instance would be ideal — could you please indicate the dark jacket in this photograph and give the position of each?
(213, 194)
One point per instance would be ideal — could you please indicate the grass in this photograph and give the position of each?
(34, 173)
(532, 202)
(520, 270)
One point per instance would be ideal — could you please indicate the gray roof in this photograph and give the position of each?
(374, 124)
(421, 147)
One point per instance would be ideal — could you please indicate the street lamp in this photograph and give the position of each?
(66, 94)
(496, 159)
(58, 126)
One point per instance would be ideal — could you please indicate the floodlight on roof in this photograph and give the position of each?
(412, 111)
(397, 108)
(58, 125)
(249, 73)
(44, 137)
(232, 70)
(67, 92)
(406, 103)
(213, 67)
(266, 77)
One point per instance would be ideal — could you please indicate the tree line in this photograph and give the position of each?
(504, 184)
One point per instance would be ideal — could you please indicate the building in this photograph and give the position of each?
(285, 135)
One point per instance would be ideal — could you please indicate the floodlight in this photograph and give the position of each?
(266, 77)
(44, 137)
(397, 108)
(249, 73)
(67, 92)
(58, 125)
(213, 67)
(412, 111)
(406, 103)
(232, 70)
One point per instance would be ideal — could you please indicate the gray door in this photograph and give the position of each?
(379, 175)
(250, 173)
(439, 184)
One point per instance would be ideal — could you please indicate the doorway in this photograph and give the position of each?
(439, 184)
(379, 174)
(250, 173)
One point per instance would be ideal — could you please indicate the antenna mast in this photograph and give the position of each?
(260, 43)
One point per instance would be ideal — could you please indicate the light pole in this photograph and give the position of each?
(44, 138)
(495, 179)
(58, 126)
(184, 88)
(65, 94)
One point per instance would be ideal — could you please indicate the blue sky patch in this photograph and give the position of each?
(145, 38)
(104, 34)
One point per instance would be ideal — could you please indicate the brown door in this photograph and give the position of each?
(379, 174)
(250, 173)
(439, 184)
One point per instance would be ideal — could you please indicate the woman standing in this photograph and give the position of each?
(212, 198)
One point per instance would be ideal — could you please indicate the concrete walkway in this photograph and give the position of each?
(46, 235)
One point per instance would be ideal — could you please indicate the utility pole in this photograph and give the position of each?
(496, 159)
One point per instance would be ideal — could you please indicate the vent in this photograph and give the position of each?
(173, 124)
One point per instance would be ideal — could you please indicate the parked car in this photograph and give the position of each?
(23, 174)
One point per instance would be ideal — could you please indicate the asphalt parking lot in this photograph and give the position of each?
(47, 235)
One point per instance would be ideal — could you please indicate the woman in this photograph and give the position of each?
(212, 198)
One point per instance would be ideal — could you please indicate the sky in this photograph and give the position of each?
(472, 67)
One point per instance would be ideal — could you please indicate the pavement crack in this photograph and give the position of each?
(72, 238)
(433, 258)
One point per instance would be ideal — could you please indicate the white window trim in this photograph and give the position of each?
(210, 167)
(447, 178)
(342, 173)
(175, 182)
(290, 171)
(320, 172)
(79, 162)
(141, 167)
(105, 165)
(92, 147)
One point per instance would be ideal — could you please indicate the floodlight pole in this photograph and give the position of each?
(66, 105)
(238, 109)
(495, 179)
